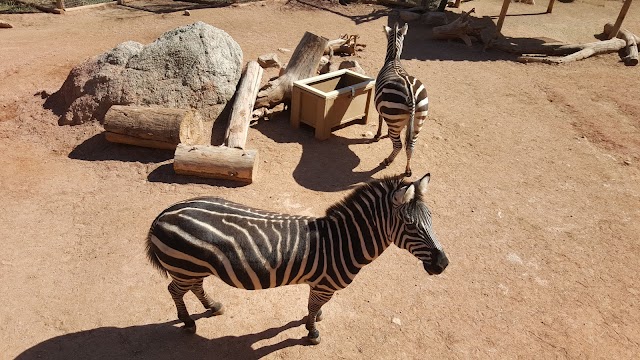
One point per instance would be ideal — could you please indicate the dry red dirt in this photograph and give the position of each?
(535, 193)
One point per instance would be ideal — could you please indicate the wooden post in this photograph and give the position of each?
(550, 7)
(236, 134)
(503, 13)
(621, 16)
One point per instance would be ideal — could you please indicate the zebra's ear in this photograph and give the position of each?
(386, 29)
(423, 183)
(404, 29)
(404, 195)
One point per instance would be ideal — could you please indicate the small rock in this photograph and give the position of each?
(627, 162)
(283, 50)
(186, 13)
(5, 25)
(367, 135)
(396, 321)
(269, 61)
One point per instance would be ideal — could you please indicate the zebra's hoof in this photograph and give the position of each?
(217, 309)
(189, 329)
(314, 337)
(386, 162)
(407, 173)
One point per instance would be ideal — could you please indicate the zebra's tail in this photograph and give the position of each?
(152, 249)
(412, 115)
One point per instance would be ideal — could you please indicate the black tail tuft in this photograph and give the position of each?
(151, 255)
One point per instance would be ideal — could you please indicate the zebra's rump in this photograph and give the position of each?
(245, 247)
(393, 98)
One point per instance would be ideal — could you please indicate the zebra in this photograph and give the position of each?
(254, 249)
(401, 99)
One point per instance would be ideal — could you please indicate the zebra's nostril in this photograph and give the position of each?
(443, 262)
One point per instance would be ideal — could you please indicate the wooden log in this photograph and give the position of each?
(154, 127)
(582, 51)
(5, 25)
(216, 162)
(236, 134)
(631, 58)
(303, 64)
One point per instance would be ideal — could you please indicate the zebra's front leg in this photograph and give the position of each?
(215, 307)
(317, 298)
(177, 292)
(379, 133)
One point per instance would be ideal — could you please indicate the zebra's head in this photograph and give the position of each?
(395, 39)
(414, 232)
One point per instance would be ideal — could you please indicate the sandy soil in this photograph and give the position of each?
(535, 193)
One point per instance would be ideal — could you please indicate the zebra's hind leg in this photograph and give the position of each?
(215, 307)
(177, 292)
(397, 146)
(379, 133)
(317, 298)
(407, 171)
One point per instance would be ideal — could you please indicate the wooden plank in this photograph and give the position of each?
(621, 16)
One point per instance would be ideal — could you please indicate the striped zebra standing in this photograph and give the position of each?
(401, 99)
(254, 249)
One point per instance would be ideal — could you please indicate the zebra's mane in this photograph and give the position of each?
(415, 211)
(385, 185)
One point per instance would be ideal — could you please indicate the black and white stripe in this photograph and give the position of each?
(401, 99)
(254, 249)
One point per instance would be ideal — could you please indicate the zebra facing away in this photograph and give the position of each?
(401, 99)
(254, 249)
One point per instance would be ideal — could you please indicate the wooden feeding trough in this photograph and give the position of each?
(332, 99)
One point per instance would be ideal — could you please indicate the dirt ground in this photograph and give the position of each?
(535, 193)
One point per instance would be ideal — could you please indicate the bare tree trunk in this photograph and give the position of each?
(303, 64)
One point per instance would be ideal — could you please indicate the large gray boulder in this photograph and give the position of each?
(195, 66)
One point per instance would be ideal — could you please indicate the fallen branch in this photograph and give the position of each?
(460, 28)
(631, 58)
(345, 45)
(577, 51)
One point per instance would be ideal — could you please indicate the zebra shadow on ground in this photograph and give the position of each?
(158, 342)
(326, 166)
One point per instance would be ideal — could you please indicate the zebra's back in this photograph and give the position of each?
(247, 248)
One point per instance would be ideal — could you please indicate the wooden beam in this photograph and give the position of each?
(621, 15)
(237, 131)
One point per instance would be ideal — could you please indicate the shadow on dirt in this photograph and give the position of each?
(165, 174)
(157, 341)
(97, 148)
(324, 165)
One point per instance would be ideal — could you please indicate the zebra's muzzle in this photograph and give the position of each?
(438, 265)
